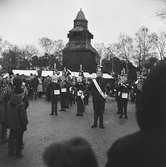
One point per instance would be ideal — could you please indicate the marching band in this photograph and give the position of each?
(76, 90)
(67, 91)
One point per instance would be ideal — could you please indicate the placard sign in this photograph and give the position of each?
(124, 95)
(79, 93)
(56, 92)
(63, 90)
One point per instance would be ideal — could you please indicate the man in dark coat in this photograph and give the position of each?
(55, 93)
(63, 85)
(98, 99)
(124, 95)
(80, 96)
(34, 84)
(147, 147)
(118, 97)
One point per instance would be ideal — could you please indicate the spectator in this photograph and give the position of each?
(76, 152)
(147, 147)
(16, 120)
(3, 134)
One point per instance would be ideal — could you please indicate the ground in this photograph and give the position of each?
(44, 129)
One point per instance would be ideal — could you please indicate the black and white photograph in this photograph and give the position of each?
(82, 83)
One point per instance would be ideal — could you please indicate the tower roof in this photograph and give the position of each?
(80, 15)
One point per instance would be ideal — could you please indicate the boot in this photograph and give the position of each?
(94, 126)
(11, 153)
(101, 126)
(19, 154)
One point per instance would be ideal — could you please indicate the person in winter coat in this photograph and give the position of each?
(16, 121)
(80, 96)
(146, 147)
(55, 94)
(5, 93)
(75, 152)
(2, 114)
(98, 99)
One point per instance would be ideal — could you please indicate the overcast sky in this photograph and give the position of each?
(25, 21)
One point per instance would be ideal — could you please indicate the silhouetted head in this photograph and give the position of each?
(152, 113)
(75, 152)
(17, 84)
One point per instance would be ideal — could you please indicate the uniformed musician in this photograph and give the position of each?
(139, 86)
(63, 86)
(80, 95)
(124, 96)
(99, 97)
(87, 87)
(72, 92)
(55, 93)
(118, 97)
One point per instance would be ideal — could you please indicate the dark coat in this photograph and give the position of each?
(2, 111)
(95, 93)
(124, 89)
(140, 149)
(54, 86)
(5, 93)
(16, 113)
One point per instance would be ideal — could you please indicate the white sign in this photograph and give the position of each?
(124, 95)
(70, 89)
(80, 93)
(25, 72)
(47, 73)
(56, 92)
(63, 90)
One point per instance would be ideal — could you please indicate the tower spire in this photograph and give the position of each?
(79, 52)
(80, 15)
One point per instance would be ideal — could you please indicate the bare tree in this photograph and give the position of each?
(125, 47)
(30, 51)
(5, 46)
(111, 51)
(144, 45)
(58, 46)
(47, 44)
(160, 44)
(101, 49)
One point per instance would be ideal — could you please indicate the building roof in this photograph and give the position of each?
(80, 15)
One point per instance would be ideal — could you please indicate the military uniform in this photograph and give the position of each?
(80, 98)
(67, 95)
(86, 99)
(34, 84)
(139, 87)
(55, 93)
(63, 94)
(47, 82)
(98, 101)
(118, 97)
(124, 95)
(72, 94)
